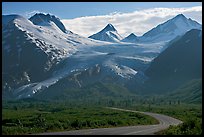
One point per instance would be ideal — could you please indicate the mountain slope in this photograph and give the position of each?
(178, 64)
(23, 54)
(30, 52)
(168, 30)
(109, 33)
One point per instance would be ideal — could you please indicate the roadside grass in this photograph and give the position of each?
(28, 118)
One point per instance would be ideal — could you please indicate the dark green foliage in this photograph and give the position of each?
(193, 126)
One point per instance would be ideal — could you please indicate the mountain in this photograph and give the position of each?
(40, 59)
(170, 29)
(30, 52)
(132, 38)
(165, 32)
(178, 64)
(109, 33)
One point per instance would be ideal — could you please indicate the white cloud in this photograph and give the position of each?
(138, 22)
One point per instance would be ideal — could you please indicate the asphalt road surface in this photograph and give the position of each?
(164, 122)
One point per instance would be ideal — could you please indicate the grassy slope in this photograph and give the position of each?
(190, 92)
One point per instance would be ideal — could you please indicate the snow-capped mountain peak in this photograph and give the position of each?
(181, 21)
(46, 20)
(180, 16)
(132, 35)
(132, 38)
(170, 29)
(109, 27)
(109, 33)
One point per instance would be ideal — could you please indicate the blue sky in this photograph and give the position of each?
(68, 10)
(87, 18)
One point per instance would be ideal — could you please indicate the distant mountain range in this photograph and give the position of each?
(42, 59)
(166, 31)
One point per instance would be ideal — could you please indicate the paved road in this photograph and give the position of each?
(164, 122)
